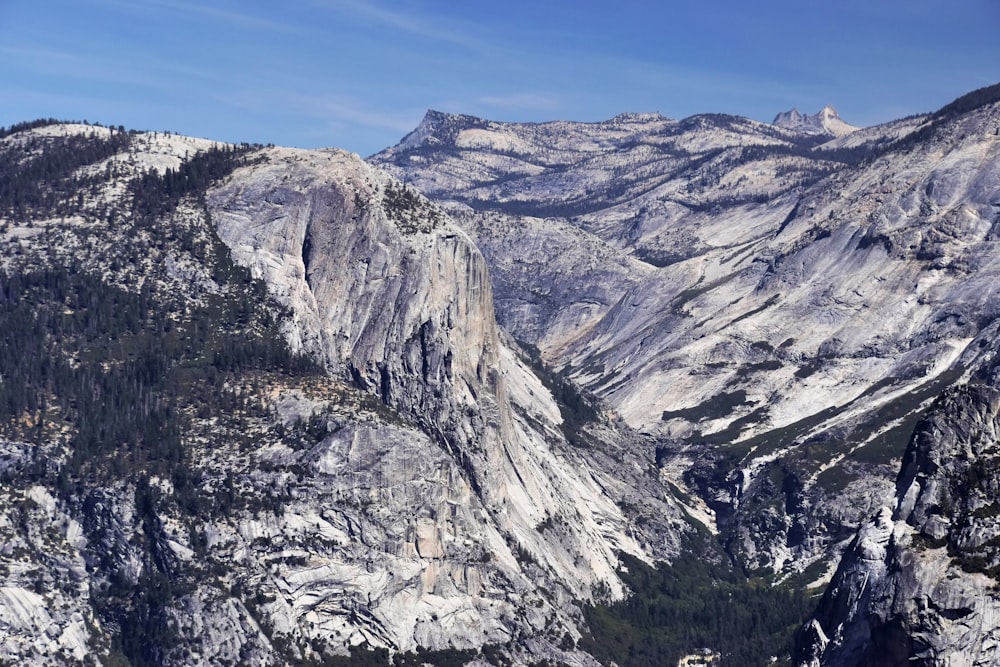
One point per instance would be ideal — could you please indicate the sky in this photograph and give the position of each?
(360, 74)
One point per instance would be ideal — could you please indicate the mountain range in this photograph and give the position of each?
(467, 401)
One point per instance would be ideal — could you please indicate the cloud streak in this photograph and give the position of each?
(525, 101)
(427, 28)
(338, 111)
(150, 74)
(235, 18)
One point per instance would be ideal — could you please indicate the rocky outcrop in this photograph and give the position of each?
(825, 122)
(419, 493)
(917, 585)
(398, 301)
(762, 323)
(396, 298)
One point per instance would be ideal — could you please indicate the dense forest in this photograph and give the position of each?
(691, 605)
(41, 176)
(696, 605)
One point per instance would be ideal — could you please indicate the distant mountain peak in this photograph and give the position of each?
(826, 121)
(439, 127)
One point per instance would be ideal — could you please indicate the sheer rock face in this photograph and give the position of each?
(920, 584)
(400, 304)
(773, 326)
(396, 298)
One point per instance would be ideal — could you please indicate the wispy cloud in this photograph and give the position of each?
(73, 65)
(342, 110)
(236, 18)
(428, 28)
(150, 74)
(69, 106)
(335, 111)
(685, 79)
(526, 101)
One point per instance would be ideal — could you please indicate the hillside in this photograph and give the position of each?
(256, 409)
(778, 312)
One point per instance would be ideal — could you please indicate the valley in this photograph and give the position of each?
(504, 393)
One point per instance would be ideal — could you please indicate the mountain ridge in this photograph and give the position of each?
(409, 487)
(792, 241)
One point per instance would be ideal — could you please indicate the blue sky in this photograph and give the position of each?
(360, 74)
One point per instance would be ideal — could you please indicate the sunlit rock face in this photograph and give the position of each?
(398, 300)
(825, 122)
(416, 491)
(777, 309)
(919, 584)
(762, 318)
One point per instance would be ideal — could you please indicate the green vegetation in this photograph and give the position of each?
(27, 125)
(107, 381)
(411, 212)
(154, 195)
(658, 258)
(692, 604)
(365, 656)
(970, 102)
(576, 408)
(716, 407)
(125, 377)
(38, 175)
(736, 427)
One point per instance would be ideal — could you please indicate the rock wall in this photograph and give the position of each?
(398, 301)
(919, 585)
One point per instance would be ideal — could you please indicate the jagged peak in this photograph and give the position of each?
(824, 122)
(792, 114)
(435, 117)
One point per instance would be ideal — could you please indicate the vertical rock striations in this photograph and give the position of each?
(184, 489)
(391, 295)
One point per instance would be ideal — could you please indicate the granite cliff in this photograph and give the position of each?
(777, 310)
(328, 443)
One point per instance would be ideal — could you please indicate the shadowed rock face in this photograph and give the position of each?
(380, 285)
(773, 319)
(918, 586)
(777, 318)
